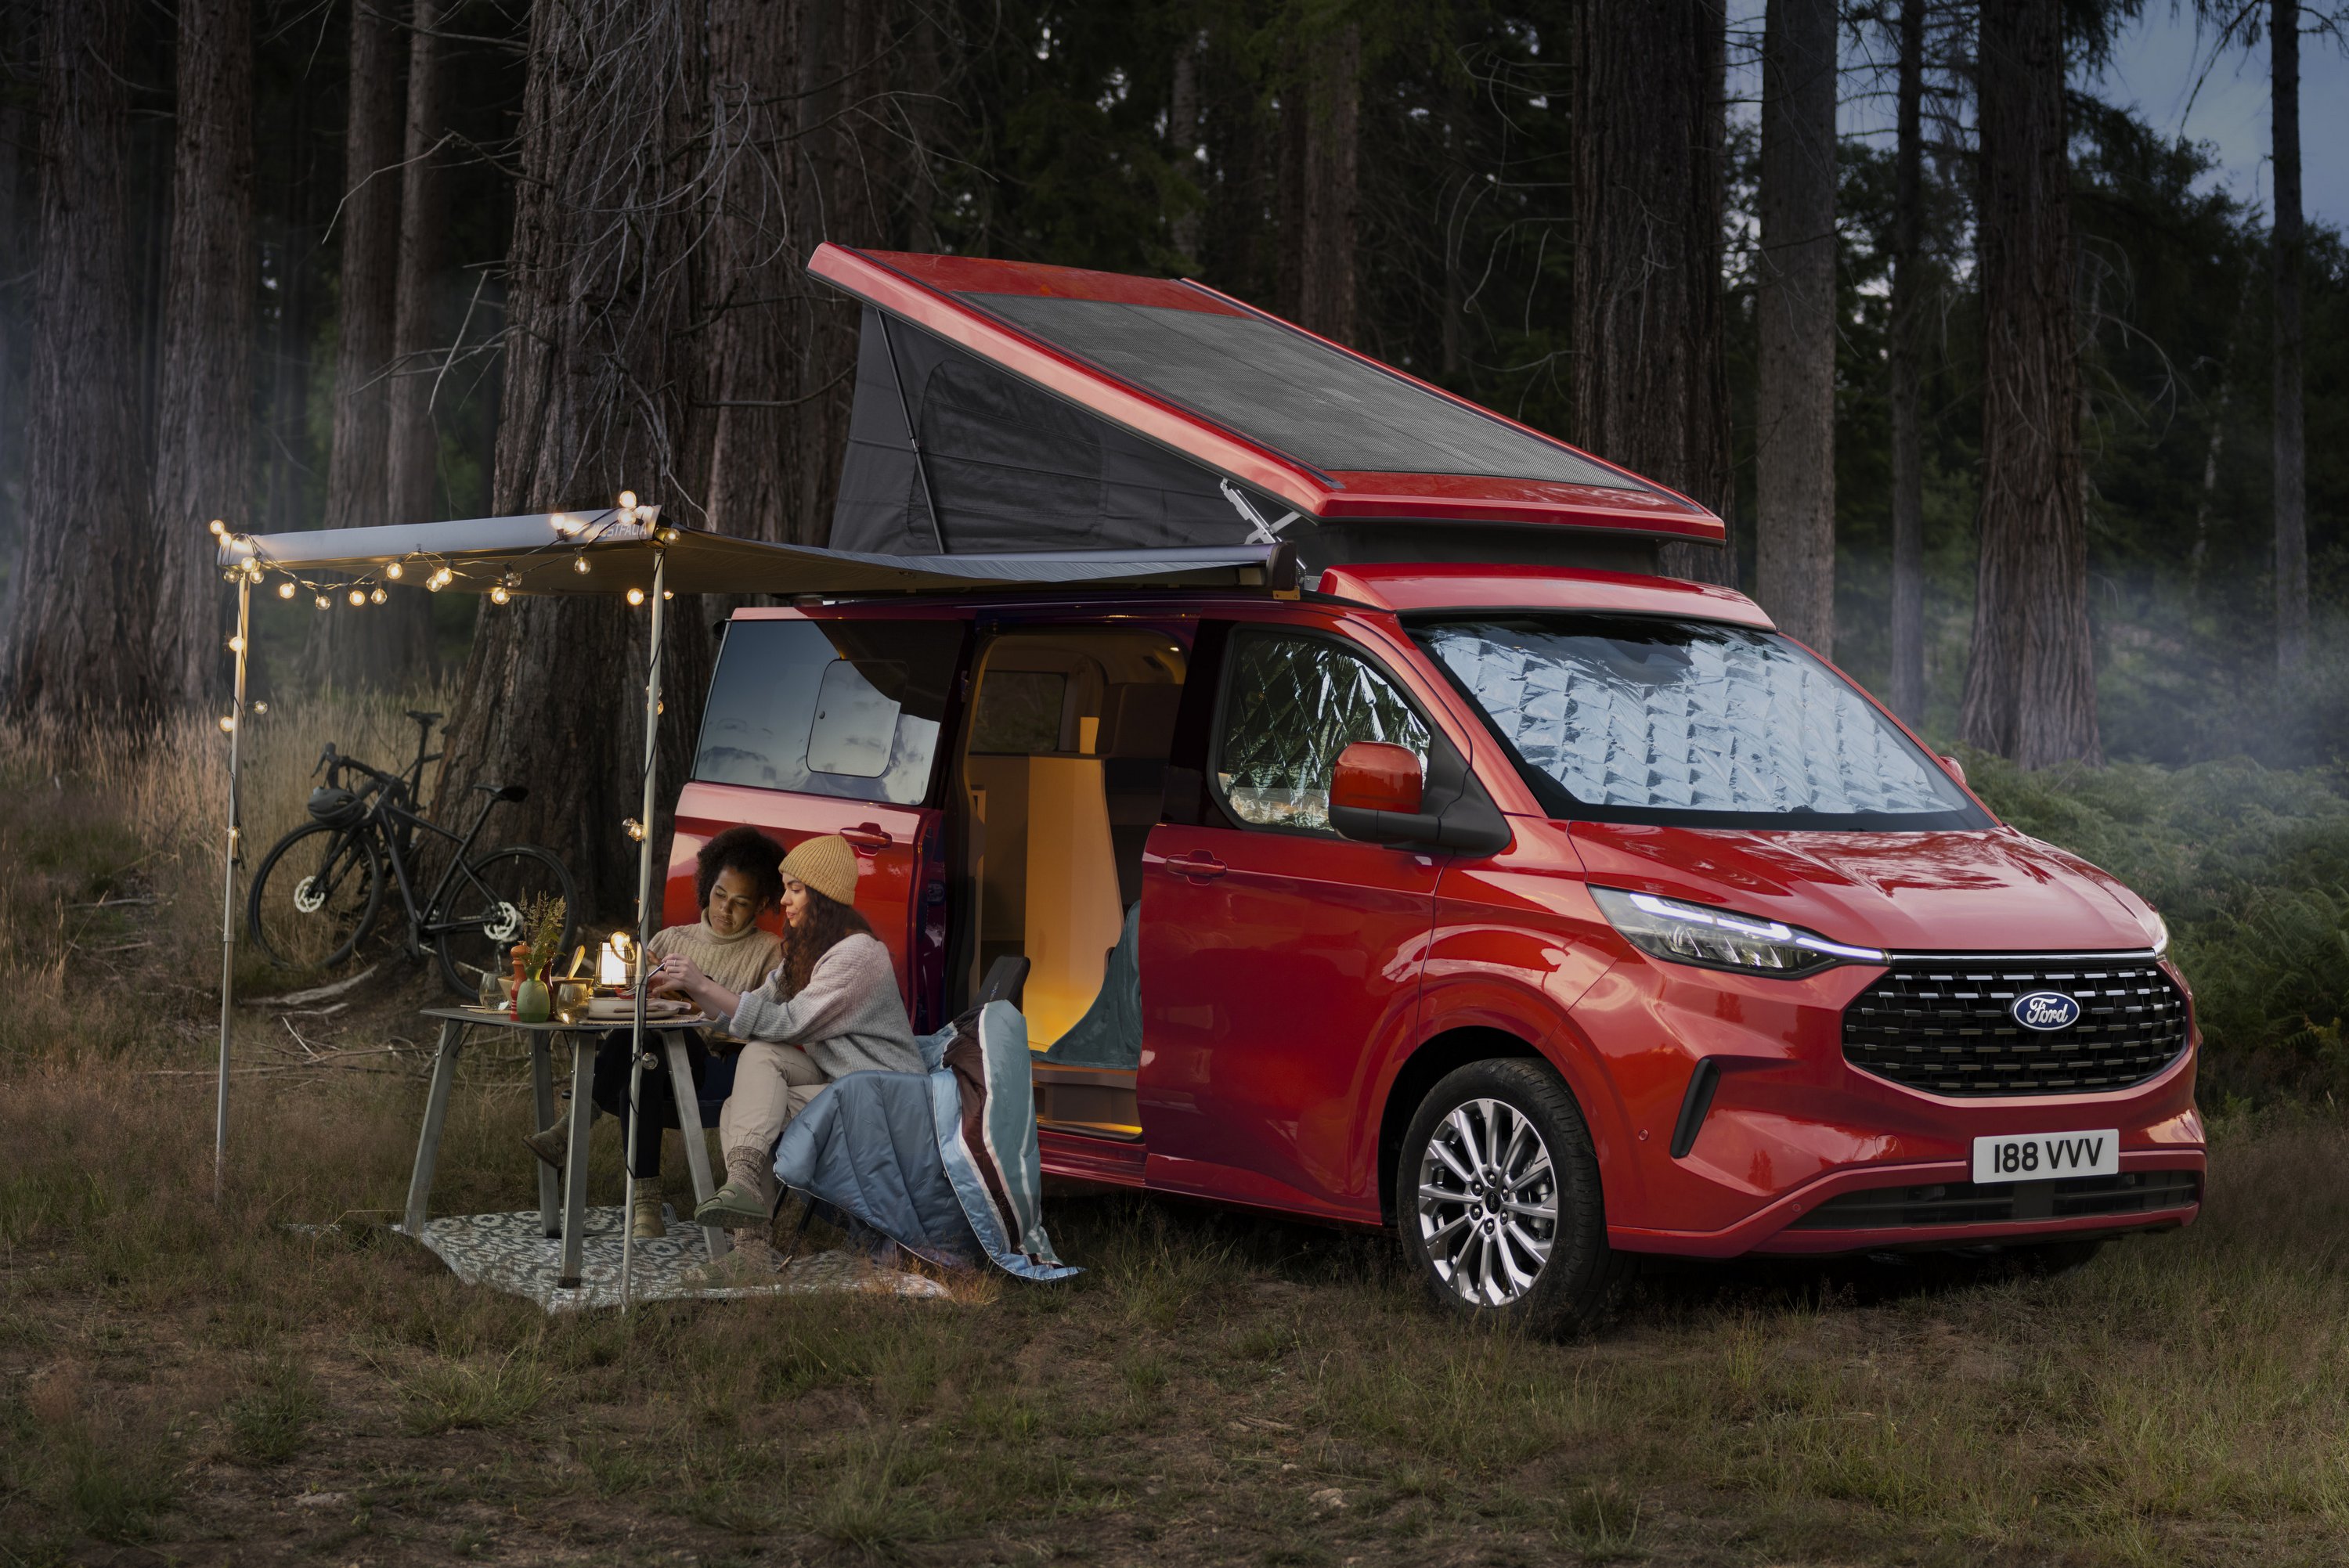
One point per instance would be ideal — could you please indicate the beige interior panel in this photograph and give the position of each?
(1073, 913)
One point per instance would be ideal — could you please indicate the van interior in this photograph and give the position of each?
(1060, 779)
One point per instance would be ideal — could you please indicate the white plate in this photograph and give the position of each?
(2047, 1155)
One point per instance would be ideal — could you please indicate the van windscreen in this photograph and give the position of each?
(850, 709)
(1623, 718)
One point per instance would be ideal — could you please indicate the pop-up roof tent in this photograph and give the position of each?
(1003, 407)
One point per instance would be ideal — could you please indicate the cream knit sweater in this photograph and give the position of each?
(738, 961)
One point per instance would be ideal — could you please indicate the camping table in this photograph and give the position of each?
(454, 1024)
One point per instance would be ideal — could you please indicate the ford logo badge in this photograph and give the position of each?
(2045, 1010)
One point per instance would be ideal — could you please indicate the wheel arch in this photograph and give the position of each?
(1421, 1071)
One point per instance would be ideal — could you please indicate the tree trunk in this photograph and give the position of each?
(1321, 170)
(597, 299)
(1795, 304)
(2290, 431)
(367, 647)
(2031, 691)
(1183, 141)
(203, 425)
(412, 452)
(1650, 370)
(1906, 369)
(81, 642)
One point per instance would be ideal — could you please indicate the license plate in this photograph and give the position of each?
(2047, 1155)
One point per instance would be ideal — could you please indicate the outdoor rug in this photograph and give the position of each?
(511, 1252)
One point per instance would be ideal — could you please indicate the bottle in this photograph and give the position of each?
(531, 1003)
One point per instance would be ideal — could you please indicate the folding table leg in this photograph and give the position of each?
(436, 1112)
(688, 1124)
(541, 1084)
(574, 1174)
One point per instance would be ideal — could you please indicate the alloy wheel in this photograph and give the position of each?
(1487, 1203)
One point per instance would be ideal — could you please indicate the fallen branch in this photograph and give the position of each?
(141, 899)
(315, 993)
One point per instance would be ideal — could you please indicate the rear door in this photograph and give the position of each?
(1279, 961)
(833, 724)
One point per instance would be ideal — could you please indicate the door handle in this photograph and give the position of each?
(868, 837)
(1198, 866)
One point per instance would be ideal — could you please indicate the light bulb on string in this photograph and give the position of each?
(377, 597)
(236, 645)
(499, 595)
(394, 571)
(325, 603)
(285, 589)
(261, 707)
(228, 724)
(579, 564)
(627, 500)
(633, 827)
(217, 526)
(358, 597)
(636, 596)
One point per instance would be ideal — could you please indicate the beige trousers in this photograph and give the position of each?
(772, 1084)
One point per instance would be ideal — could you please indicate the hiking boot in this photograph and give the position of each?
(552, 1144)
(749, 1262)
(738, 1205)
(644, 1222)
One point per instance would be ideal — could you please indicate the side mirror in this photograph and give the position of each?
(1372, 776)
(1955, 767)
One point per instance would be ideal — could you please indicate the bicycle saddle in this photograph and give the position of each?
(424, 718)
(504, 791)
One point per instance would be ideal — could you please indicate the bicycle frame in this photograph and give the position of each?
(389, 818)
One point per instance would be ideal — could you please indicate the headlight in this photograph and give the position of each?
(2160, 935)
(1719, 939)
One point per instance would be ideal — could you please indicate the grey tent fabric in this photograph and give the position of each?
(1012, 468)
(1110, 1033)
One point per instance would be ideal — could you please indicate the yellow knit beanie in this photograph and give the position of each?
(827, 865)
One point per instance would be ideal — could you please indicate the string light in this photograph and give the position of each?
(285, 589)
(636, 596)
(218, 527)
(394, 571)
(236, 645)
(579, 564)
(440, 580)
(633, 827)
(358, 597)
(325, 603)
(261, 707)
(377, 597)
(228, 724)
(627, 500)
(499, 595)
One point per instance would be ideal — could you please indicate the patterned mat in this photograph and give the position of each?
(511, 1252)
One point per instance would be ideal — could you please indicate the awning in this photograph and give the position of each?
(1001, 406)
(545, 553)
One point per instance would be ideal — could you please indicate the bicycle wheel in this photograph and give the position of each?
(315, 896)
(481, 917)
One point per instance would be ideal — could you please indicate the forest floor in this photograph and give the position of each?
(182, 1383)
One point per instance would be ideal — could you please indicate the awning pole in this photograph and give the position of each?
(643, 924)
(228, 884)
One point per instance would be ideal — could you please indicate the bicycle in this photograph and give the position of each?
(315, 912)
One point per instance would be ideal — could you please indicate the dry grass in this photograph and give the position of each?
(206, 1383)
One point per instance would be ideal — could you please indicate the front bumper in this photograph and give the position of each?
(1801, 1153)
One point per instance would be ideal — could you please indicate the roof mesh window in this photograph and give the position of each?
(1282, 389)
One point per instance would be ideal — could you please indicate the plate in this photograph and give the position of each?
(2047, 1155)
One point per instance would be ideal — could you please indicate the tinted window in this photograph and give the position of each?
(1273, 384)
(830, 708)
(1293, 704)
(1693, 722)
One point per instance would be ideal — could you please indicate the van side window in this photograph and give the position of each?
(845, 709)
(1292, 704)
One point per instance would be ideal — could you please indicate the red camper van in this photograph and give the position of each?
(1449, 869)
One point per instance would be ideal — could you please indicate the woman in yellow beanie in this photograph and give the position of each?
(830, 1008)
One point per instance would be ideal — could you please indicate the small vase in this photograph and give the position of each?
(531, 1004)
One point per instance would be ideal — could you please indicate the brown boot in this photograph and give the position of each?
(645, 1201)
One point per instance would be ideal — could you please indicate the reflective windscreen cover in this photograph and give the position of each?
(1277, 386)
(844, 708)
(1694, 723)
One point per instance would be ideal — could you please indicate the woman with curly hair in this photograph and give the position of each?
(737, 884)
(830, 1008)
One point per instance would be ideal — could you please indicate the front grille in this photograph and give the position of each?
(1942, 1024)
(1993, 1202)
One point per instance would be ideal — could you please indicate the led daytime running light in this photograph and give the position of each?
(1722, 939)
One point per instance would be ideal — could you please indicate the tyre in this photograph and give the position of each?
(480, 915)
(1498, 1202)
(315, 896)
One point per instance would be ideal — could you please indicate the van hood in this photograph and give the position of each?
(1970, 891)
